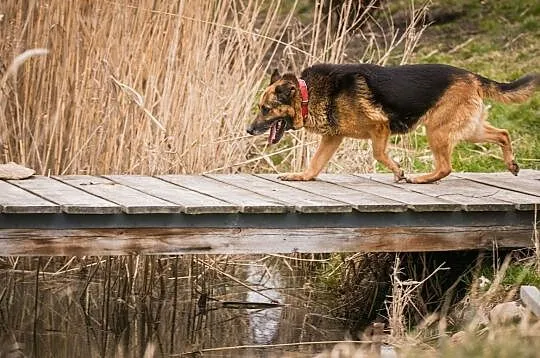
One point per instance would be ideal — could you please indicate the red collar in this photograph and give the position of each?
(304, 96)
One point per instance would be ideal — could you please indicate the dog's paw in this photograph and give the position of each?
(410, 180)
(514, 168)
(293, 177)
(398, 178)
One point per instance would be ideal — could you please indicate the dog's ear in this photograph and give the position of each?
(285, 92)
(275, 76)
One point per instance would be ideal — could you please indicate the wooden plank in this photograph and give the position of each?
(530, 296)
(190, 201)
(132, 201)
(519, 200)
(525, 184)
(302, 201)
(529, 174)
(257, 241)
(16, 200)
(414, 201)
(360, 201)
(247, 201)
(470, 195)
(71, 200)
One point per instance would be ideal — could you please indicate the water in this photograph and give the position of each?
(264, 323)
(161, 306)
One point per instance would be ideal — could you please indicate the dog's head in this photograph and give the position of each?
(279, 108)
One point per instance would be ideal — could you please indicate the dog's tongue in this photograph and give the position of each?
(272, 135)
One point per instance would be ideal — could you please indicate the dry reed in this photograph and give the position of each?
(158, 87)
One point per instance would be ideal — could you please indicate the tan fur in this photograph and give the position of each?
(491, 91)
(327, 147)
(317, 121)
(462, 102)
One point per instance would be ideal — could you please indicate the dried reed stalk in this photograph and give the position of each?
(159, 87)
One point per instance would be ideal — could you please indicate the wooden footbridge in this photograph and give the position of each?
(117, 214)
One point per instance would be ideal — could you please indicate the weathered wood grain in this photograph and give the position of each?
(265, 194)
(524, 184)
(236, 241)
(71, 200)
(190, 201)
(529, 174)
(301, 200)
(414, 201)
(248, 201)
(472, 196)
(331, 226)
(520, 201)
(360, 200)
(16, 200)
(132, 201)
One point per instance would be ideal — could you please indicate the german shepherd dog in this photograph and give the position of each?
(367, 101)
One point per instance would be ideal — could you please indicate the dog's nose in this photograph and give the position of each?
(250, 130)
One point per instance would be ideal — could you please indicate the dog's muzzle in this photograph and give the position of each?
(257, 128)
(277, 128)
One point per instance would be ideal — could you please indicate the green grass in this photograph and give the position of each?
(499, 40)
(515, 275)
(521, 275)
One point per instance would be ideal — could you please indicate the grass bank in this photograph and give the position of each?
(500, 40)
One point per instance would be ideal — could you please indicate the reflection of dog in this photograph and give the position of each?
(372, 102)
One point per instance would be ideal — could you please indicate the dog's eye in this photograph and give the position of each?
(265, 110)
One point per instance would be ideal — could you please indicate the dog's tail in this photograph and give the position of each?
(512, 92)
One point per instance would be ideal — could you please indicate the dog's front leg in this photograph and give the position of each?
(379, 140)
(328, 146)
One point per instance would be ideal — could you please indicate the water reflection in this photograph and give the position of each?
(160, 306)
(264, 324)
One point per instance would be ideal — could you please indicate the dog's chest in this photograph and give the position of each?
(318, 120)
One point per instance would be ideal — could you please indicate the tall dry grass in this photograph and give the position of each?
(151, 87)
(154, 87)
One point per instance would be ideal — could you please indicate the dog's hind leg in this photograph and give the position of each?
(441, 147)
(328, 146)
(457, 115)
(379, 140)
(488, 133)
